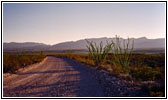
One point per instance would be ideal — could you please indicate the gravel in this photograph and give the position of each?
(63, 77)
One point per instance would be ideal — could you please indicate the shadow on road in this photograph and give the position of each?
(73, 79)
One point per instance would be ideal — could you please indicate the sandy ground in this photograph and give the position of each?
(54, 77)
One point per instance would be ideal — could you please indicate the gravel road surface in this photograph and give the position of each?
(54, 77)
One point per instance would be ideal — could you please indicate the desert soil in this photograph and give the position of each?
(63, 77)
(53, 77)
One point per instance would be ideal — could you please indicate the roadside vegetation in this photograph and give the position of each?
(117, 58)
(98, 53)
(12, 62)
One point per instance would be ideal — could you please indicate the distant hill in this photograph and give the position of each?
(142, 42)
(25, 45)
(139, 43)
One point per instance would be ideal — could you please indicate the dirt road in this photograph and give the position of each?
(54, 77)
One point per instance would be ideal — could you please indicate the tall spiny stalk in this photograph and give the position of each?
(123, 54)
(98, 53)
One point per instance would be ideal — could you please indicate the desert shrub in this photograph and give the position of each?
(122, 55)
(11, 63)
(25, 60)
(152, 60)
(117, 69)
(98, 53)
(144, 73)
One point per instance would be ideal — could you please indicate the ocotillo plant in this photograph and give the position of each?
(123, 54)
(98, 53)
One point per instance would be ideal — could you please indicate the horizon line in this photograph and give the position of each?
(78, 40)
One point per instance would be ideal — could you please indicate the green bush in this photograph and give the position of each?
(98, 53)
(121, 55)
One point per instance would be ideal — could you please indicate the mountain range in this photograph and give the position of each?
(139, 43)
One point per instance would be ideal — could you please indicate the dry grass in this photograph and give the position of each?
(11, 63)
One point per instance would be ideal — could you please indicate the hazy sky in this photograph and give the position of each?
(52, 23)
